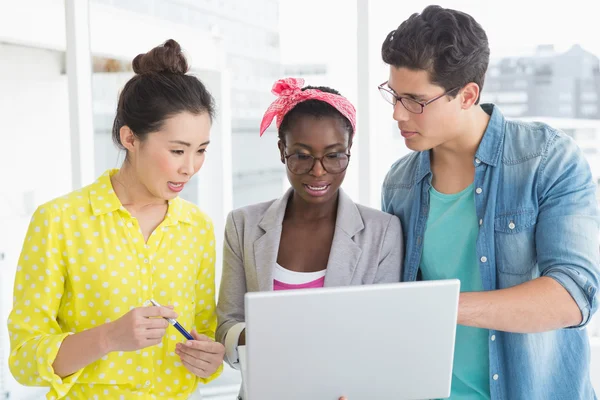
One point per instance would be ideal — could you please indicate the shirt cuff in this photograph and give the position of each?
(231, 344)
(46, 353)
(579, 289)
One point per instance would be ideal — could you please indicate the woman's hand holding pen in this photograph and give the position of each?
(139, 328)
(202, 356)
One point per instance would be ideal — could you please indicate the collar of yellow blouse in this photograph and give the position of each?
(104, 200)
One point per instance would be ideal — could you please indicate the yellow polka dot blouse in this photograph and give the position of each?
(84, 263)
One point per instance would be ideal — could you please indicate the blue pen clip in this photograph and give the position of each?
(176, 324)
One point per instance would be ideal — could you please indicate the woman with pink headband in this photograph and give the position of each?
(314, 235)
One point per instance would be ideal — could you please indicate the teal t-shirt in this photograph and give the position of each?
(449, 252)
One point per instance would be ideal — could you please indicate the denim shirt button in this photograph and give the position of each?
(495, 377)
(477, 161)
(493, 338)
(483, 259)
(480, 222)
(478, 190)
(511, 225)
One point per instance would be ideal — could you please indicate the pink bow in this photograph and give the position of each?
(290, 94)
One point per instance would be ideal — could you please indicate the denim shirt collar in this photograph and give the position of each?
(493, 138)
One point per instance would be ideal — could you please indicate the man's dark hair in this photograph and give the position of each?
(449, 44)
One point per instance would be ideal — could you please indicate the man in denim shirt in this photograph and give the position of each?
(508, 208)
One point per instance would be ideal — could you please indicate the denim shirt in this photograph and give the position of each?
(536, 204)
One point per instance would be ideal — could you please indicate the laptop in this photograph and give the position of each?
(387, 341)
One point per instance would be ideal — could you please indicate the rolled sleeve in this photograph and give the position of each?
(568, 225)
(232, 339)
(39, 371)
(580, 289)
(35, 334)
(46, 353)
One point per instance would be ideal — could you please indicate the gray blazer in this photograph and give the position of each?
(367, 248)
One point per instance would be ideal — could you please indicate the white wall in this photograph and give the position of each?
(595, 371)
(113, 32)
(34, 135)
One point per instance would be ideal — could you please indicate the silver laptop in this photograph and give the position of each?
(389, 341)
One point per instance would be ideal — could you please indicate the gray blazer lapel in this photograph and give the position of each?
(266, 247)
(265, 257)
(345, 253)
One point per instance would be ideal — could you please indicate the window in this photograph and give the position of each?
(512, 97)
(589, 109)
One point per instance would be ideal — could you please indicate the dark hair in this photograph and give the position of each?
(159, 90)
(316, 109)
(449, 44)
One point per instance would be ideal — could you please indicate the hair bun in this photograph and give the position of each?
(166, 58)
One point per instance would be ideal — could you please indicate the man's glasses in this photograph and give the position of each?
(411, 105)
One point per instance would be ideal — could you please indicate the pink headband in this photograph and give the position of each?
(290, 94)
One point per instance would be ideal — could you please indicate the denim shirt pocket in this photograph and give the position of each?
(515, 242)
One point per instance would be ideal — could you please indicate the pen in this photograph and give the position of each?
(176, 324)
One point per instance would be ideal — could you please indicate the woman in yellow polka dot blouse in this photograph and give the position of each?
(92, 258)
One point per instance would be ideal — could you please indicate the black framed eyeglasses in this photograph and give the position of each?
(333, 163)
(411, 105)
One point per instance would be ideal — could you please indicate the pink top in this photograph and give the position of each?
(284, 279)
